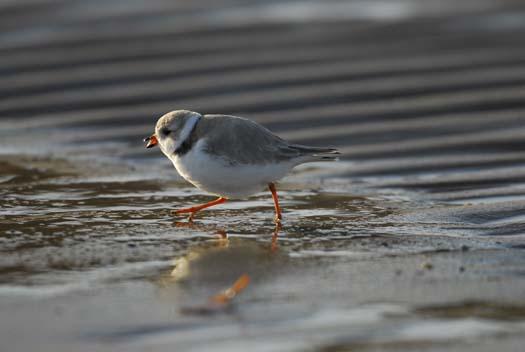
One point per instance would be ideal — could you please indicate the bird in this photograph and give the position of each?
(228, 156)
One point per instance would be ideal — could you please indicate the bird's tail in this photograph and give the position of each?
(317, 153)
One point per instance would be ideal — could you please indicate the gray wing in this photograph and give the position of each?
(242, 141)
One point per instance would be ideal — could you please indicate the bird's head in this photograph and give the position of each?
(172, 130)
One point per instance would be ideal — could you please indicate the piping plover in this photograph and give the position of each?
(229, 156)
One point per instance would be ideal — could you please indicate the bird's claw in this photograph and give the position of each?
(277, 220)
(179, 212)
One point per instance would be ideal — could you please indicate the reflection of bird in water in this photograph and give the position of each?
(208, 277)
(217, 302)
(229, 156)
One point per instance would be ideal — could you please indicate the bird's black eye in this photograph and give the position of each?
(165, 131)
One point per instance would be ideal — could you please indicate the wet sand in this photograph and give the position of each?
(413, 241)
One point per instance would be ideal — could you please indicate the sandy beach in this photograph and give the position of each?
(413, 241)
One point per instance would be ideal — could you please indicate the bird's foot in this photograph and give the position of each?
(277, 220)
(184, 211)
(194, 209)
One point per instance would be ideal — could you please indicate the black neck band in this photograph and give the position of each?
(187, 144)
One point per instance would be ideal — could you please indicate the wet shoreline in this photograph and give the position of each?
(414, 241)
(341, 260)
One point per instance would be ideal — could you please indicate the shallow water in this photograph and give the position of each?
(413, 241)
(92, 259)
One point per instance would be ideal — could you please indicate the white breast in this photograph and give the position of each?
(214, 175)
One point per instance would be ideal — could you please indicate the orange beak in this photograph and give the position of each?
(151, 141)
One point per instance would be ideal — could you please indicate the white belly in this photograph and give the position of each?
(216, 176)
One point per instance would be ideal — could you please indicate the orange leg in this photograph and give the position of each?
(193, 210)
(278, 217)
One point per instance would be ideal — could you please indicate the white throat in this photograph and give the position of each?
(186, 130)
